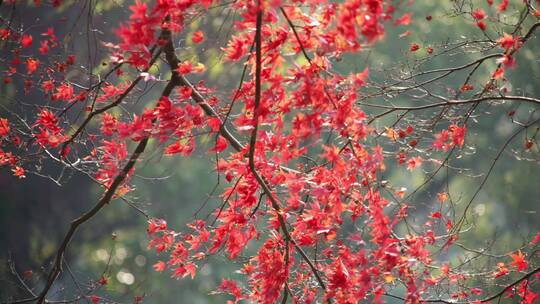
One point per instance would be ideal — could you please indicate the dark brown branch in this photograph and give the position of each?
(253, 141)
(486, 300)
(57, 268)
(530, 32)
(488, 174)
(447, 71)
(293, 28)
(111, 105)
(227, 199)
(109, 194)
(452, 103)
(453, 69)
(258, 69)
(209, 111)
(523, 278)
(197, 96)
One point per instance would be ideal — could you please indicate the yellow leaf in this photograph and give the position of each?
(391, 133)
(388, 278)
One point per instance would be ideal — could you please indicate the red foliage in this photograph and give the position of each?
(288, 111)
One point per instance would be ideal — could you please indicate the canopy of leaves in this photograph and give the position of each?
(349, 141)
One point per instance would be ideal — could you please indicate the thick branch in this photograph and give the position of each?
(253, 141)
(109, 194)
(53, 275)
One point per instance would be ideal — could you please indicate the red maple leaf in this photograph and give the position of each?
(519, 261)
(414, 162)
(4, 127)
(31, 65)
(197, 37)
(26, 41)
(536, 239)
(159, 266)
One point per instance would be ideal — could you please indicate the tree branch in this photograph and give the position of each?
(486, 300)
(253, 141)
(109, 194)
(531, 100)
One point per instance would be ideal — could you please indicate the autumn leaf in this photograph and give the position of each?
(221, 145)
(414, 162)
(442, 197)
(404, 20)
(391, 133)
(19, 172)
(479, 14)
(502, 270)
(197, 37)
(26, 41)
(159, 266)
(4, 127)
(536, 239)
(518, 261)
(31, 65)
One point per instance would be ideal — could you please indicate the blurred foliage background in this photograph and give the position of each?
(35, 213)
